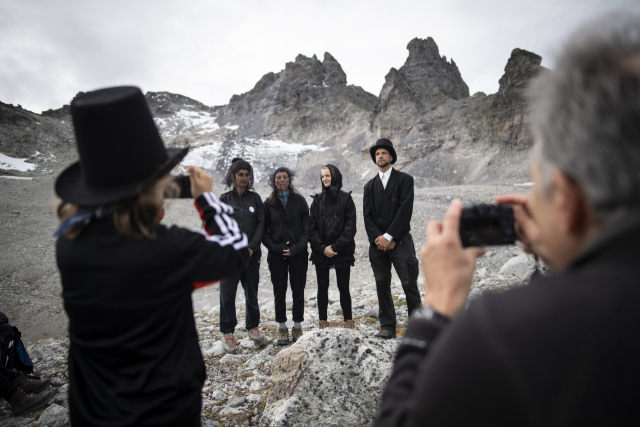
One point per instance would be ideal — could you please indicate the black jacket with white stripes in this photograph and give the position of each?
(134, 357)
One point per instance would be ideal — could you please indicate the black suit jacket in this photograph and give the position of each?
(389, 211)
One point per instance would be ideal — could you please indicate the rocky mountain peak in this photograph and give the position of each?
(520, 69)
(333, 72)
(425, 81)
(304, 71)
(428, 73)
(422, 51)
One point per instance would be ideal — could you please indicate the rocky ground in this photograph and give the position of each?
(238, 386)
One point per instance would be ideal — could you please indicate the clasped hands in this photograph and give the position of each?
(448, 267)
(384, 245)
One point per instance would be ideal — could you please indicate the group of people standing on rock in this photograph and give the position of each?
(286, 225)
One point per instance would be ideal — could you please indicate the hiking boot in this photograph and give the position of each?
(323, 324)
(296, 332)
(283, 335)
(29, 385)
(349, 324)
(384, 334)
(256, 336)
(21, 402)
(229, 344)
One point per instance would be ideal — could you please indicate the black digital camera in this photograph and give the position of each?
(184, 182)
(484, 225)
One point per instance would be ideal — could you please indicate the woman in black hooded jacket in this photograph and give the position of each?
(332, 230)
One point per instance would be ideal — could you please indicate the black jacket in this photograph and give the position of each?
(319, 238)
(248, 212)
(134, 358)
(388, 210)
(562, 351)
(286, 224)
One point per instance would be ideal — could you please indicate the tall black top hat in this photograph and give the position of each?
(120, 149)
(387, 145)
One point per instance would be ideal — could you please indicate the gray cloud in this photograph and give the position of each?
(210, 50)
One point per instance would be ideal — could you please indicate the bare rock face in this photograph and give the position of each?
(508, 113)
(430, 74)
(332, 377)
(308, 101)
(425, 81)
(478, 139)
(24, 134)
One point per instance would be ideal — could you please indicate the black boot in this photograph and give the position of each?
(29, 385)
(22, 402)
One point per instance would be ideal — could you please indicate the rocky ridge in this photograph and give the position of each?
(307, 115)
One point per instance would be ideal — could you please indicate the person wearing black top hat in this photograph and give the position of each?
(387, 210)
(248, 211)
(332, 230)
(134, 357)
(286, 234)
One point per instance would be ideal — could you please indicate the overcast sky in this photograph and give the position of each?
(209, 50)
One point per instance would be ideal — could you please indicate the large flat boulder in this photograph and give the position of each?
(332, 377)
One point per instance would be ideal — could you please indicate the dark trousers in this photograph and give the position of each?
(7, 390)
(342, 277)
(295, 270)
(403, 258)
(249, 278)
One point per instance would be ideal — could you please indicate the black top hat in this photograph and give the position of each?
(386, 144)
(121, 151)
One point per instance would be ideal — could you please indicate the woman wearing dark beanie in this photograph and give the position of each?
(332, 229)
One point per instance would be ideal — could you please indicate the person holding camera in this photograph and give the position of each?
(563, 350)
(134, 356)
(332, 230)
(286, 236)
(387, 210)
(248, 212)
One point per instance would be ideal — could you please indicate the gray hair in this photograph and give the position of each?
(586, 115)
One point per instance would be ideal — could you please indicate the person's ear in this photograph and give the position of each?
(571, 203)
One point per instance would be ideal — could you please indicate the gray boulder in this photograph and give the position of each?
(54, 416)
(332, 377)
(521, 267)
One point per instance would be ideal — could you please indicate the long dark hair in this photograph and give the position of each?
(238, 164)
(272, 182)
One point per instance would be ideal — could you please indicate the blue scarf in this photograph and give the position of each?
(80, 217)
(283, 197)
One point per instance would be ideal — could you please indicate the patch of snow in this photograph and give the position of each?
(8, 163)
(526, 184)
(232, 127)
(187, 121)
(264, 154)
(15, 177)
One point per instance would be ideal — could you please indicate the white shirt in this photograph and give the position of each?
(384, 177)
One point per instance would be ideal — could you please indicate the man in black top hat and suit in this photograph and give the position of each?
(387, 207)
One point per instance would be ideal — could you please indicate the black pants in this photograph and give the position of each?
(403, 258)
(7, 390)
(249, 278)
(342, 277)
(295, 270)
